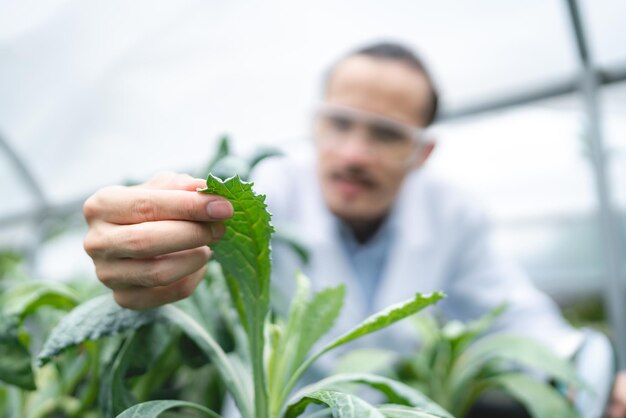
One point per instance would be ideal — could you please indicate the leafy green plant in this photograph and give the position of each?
(225, 163)
(9, 261)
(458, 363)
(28, 310)
(269, 356)
(85, 381)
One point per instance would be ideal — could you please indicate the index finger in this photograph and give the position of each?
(131, 205)
(168, 180)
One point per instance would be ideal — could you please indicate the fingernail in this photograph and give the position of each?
(217, 231)
(220, 209)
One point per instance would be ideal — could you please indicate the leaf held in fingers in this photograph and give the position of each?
(244, 253)
(244, 250)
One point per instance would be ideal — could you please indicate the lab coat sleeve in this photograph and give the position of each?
(481, 279)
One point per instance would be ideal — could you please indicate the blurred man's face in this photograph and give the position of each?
(367, 136)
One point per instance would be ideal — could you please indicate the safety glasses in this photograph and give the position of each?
(384, 138)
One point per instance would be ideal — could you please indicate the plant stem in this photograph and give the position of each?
(258, 371)
(91, 392)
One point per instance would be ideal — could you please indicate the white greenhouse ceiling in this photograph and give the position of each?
(93, 93)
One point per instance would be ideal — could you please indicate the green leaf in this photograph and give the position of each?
(402, 411)
(136, 356)
(113, 396)
(244, 250)
(201, 305)
(15, 360)
(26, 298)
(388, 316)
(472, 330)
(376, 322)
(244, 253)
(280, 334)
(153, 409)
(92, 320)
(9, 262)
(229, 371)
(308, 320)
(540, 399)
(342, 405)
(517, 350)
(394, 391)
(368, 360)
(318, 319)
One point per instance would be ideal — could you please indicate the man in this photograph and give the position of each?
(370, 214)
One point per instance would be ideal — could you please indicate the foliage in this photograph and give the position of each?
(458, 362)
(9, 262)
(95, 378)
(153, 362)
(28, 310)
(270, 356)
(225, 163)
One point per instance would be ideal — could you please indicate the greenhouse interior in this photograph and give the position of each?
(323, 209)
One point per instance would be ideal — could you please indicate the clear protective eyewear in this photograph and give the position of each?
(385, 138)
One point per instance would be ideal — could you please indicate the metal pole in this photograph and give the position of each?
(42, 204)
(615, 294)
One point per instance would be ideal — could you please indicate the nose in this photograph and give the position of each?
(355, 148)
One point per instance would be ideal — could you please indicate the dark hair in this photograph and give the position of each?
(397, 52)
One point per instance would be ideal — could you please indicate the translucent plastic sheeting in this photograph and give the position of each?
(531, 168)
(18, 236)
(93, 93)
(613, 102)
(604, 20)
(17, 198)
(523, 163)
(614, 106)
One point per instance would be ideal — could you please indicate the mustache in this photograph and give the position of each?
(355, 175)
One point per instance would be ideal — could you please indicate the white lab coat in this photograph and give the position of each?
(441, 242)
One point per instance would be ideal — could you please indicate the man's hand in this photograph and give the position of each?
(617, 407)
(149, 242)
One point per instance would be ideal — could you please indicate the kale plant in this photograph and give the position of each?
(459, 362)
(270, 356)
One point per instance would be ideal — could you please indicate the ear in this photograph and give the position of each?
(429, 146)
